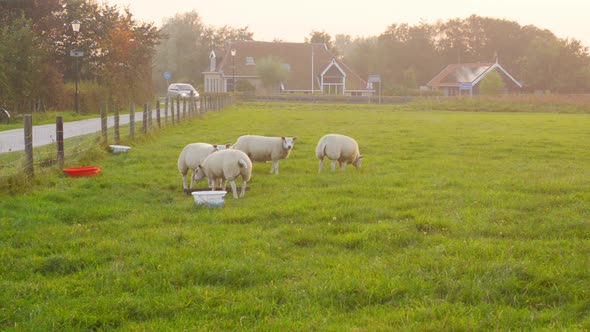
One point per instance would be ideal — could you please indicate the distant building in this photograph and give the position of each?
(311, 67)
(464, 78)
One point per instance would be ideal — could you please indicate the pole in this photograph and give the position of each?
(312, 73)
(233, 80)
(132, 121)
(59, 133)
(77, 79)
(28, 129)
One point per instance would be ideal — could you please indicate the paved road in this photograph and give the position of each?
(14, 140)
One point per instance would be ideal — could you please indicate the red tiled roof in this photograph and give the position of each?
(297, 55)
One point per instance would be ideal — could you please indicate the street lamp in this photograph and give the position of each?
(233, 64)
(76, 28)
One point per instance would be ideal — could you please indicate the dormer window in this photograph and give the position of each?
(250, 61)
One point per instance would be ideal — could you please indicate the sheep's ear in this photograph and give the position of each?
(227, 146)
(215, 146)
(294, 138)
(283, 138)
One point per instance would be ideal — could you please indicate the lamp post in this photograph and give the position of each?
(76, 54)
(233, 64)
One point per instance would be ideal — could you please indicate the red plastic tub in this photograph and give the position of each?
(83, 171)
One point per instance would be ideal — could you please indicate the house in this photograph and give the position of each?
(464, 78)
(311, 68)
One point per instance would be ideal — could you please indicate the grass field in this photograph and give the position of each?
(464, 221)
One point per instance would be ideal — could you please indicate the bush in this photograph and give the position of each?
(245, 86)
(91, 96)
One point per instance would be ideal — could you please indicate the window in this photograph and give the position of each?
(250, 61)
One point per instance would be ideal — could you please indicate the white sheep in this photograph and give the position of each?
(338, 148)
(263, 148)
(225, 165)
(193, 155)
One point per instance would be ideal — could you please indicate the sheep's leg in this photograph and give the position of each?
(212, 184)
(243, 189)
(321, 165)
(233, 188)
(192, 181)
(275, 167)
(334, 165)
(343, 165)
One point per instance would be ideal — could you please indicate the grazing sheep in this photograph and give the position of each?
(193, 155)
(225, 165)
(338, 148)
(263, 148)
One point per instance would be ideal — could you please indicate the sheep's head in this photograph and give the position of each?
(357, 163)
(288, 142)
(221, 147)
(198, 174)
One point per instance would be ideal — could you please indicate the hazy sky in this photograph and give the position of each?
(292, 21)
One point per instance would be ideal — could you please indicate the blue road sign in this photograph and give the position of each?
(167, 75)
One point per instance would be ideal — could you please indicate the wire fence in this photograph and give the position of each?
(24, 155)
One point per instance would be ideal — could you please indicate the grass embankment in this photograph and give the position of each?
(457, 221)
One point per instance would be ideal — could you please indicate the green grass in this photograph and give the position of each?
(457, 221)
(43, 118)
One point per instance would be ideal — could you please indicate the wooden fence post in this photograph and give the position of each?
(59, 136)
(166, 110)
(177, 108)
(172, 109)
(144, 122)
(103, 123)
(149, 115)
(132, 121)
(29, 169)
(158, 113)
(117, 134)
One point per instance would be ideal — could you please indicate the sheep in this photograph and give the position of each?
(338, 148)
(192, 156)
(263, 148)
(225, 165)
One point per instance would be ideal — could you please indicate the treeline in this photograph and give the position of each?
(37, 71)
(125, 60)
(185, 47)
(407, 56)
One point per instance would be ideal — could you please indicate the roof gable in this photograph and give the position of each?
(456, 74)
(333, 70)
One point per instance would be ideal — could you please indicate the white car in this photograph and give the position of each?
(183, 90)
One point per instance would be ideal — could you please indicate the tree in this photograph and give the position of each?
(272, 72)
(22, 62)
(492, 84)
(182, 50)
(185, 46)
(322, 37)
(362, 56)
(409, 78)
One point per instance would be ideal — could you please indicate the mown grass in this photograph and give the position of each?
(457, 221)
(43, 118)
